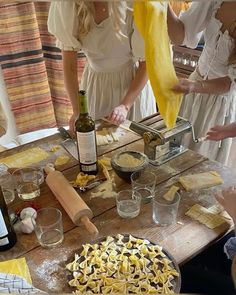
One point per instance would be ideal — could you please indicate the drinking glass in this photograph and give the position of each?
(128, 203)
(48, 227)
(144, 182)
(165, 212)
(7, 186)
(27, 182)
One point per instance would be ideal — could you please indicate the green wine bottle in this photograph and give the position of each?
(7, 233)
(86, 137)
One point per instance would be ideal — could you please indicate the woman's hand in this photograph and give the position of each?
(227, 199)
(222, 132)
(185, 86)
(217, 133)
(118, 115)
(212, 86)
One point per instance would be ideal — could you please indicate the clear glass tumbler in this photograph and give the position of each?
(48, 227)
(144, 182)
(27, 182)
(128, 203)
(7, 186)
(165, 212)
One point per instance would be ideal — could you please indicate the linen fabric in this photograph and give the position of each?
(14, 284)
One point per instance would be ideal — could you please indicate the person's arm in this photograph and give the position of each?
(119, 114)
(71, 82)
(2, 130)
(176, 28)
(213, 86)
(3, 122)
(222, 132)
(187, 29)
(227, 199)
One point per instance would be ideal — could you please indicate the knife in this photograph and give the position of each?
(90, 185)
(69, 144)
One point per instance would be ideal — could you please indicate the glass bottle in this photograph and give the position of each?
(7, 233)
(86, 137)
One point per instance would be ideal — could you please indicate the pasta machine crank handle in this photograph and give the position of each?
(197, 140)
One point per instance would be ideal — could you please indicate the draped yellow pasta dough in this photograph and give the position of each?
(151, 20)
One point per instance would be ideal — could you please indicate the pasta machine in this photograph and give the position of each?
(160, 143)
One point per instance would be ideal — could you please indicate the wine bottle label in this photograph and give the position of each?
(89, 168)
(4, 241)
(3, 228)
(87, 147)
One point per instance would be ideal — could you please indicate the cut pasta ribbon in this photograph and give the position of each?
(151, 20)
(170, 194)
(209, 217)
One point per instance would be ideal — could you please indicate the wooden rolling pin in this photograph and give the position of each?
(70, 200)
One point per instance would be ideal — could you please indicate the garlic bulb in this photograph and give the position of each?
(26, 225)
(28, 212)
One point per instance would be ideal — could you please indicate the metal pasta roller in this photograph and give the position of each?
(160, 143)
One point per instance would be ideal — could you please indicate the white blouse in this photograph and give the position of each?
(200, 19)
(111, 59)
(62, 23)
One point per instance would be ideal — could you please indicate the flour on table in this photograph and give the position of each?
(105, 190)
(168, 169)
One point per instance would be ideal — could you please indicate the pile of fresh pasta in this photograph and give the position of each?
(122, 264)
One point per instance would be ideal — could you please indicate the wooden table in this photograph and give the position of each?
(183, 240)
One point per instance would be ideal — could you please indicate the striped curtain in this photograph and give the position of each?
(32, 67)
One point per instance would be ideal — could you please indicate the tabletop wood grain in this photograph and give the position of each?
(183, 240)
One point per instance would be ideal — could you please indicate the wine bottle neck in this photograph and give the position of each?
(83, 103)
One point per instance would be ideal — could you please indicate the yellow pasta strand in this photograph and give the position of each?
(151, 20)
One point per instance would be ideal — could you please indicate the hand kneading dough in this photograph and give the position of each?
(151, 20)
(200, 180)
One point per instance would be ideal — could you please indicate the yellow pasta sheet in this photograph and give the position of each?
(17, 267)
(151, 20)
(206, 216)
(200, 180)
(25, 158)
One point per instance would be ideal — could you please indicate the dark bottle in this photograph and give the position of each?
(86, 137)
(7, 233)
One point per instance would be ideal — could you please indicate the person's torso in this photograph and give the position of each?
(213, 62)
(104, 48)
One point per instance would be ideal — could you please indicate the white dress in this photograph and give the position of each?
(110, 60)
(204, 110)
